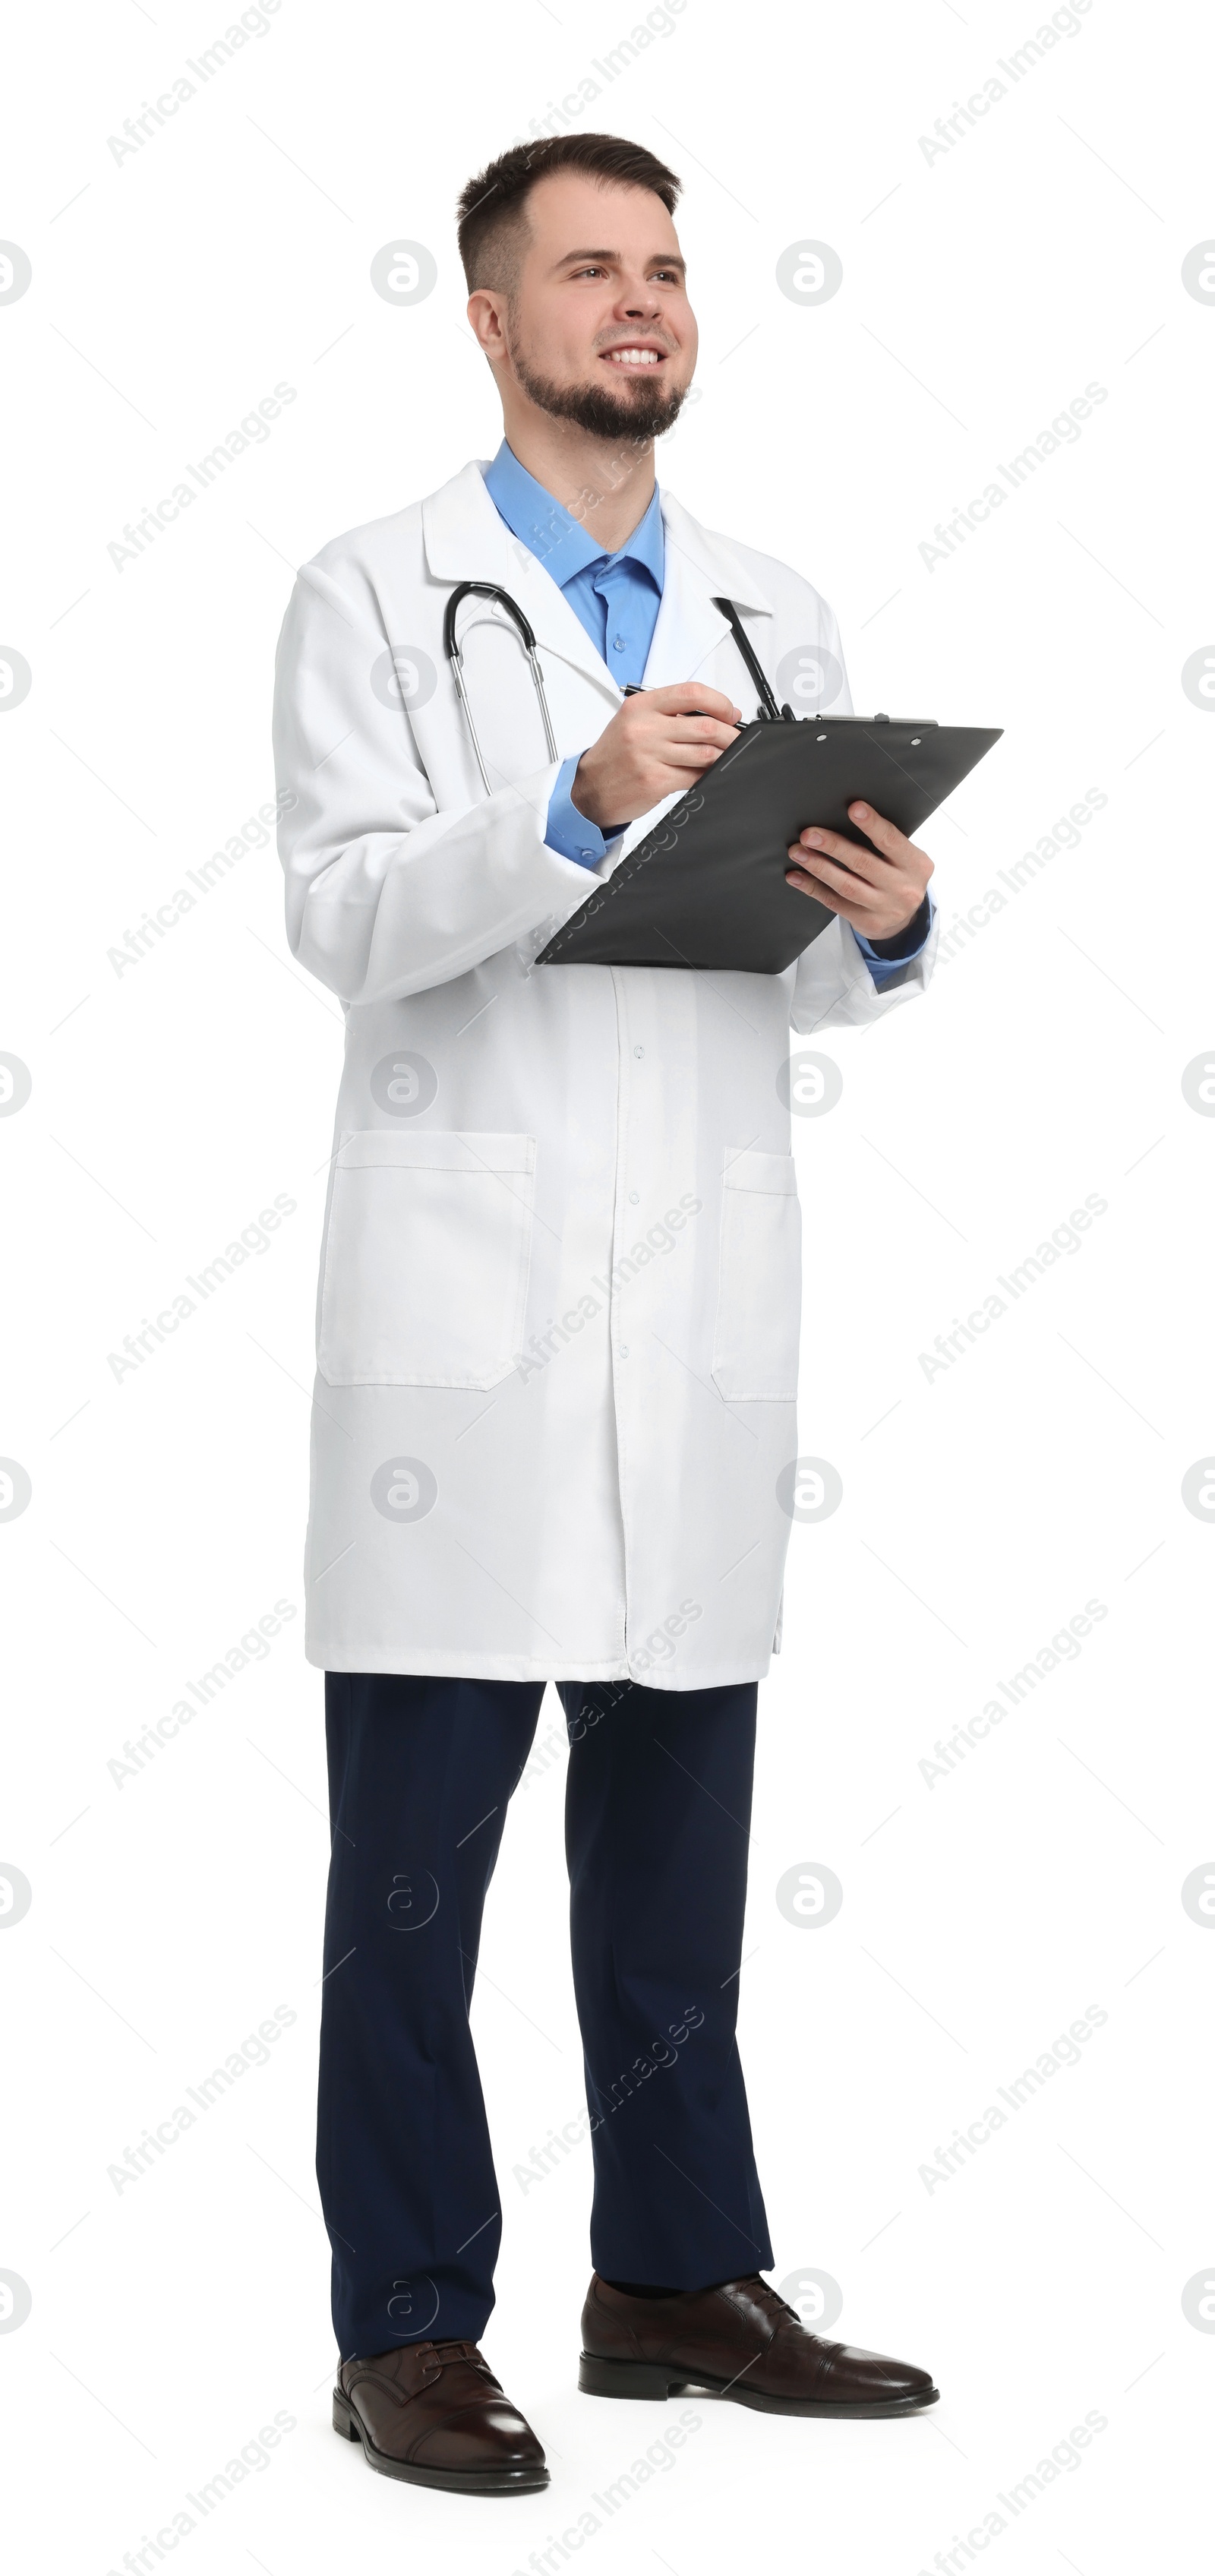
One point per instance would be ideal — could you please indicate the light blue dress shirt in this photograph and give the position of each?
(616, 598)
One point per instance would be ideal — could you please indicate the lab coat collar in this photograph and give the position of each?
(557, 539)
(467, 540)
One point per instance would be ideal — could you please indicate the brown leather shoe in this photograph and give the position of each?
(746, 2342)
(435, 2414)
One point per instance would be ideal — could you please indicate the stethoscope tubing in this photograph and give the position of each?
(767, 710)
(490, 590)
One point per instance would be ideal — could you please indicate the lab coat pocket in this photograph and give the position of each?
(426, 1256)
(755, 1342)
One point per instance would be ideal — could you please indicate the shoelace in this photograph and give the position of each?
(768, 2297)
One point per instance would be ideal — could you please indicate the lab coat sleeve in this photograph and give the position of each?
(833, 986)
(385, 893)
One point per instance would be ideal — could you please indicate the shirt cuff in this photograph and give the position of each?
(567, 831)
(886, 958)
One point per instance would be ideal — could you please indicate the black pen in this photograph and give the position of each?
(634, 689)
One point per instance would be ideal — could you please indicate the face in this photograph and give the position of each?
(600, 330)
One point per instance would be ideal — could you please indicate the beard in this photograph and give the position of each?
(645, 413)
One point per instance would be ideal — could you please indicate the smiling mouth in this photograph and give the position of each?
(633, 356)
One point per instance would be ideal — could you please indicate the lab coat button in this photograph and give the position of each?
(633, 1197)
(639, 1050)
(624, 1350)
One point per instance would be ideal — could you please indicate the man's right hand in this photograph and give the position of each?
(658, 743)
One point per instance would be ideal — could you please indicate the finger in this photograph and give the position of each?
(686, 756)
(855, 892)
(848, 854)
(686, 697)
(892, 843)
(694, 729)
(869, 916)
(905, 855)
(823, 894)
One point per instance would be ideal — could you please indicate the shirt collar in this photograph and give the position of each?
(558, 540)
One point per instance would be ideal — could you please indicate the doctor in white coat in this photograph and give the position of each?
(557, 1331)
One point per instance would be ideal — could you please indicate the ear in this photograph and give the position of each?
(486, 312)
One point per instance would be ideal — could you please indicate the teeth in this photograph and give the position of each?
(633, 357)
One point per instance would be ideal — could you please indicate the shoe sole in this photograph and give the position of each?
(597, 2378)
(521, 2481)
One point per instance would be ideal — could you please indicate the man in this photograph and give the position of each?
(557, 1335)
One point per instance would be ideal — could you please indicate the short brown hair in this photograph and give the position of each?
(491, 214)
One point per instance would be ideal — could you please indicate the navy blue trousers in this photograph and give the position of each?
(658, 1808)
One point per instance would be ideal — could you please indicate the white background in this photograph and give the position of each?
(982, 291)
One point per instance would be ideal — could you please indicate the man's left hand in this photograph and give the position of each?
(878, 891)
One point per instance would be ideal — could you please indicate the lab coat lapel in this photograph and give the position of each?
(698, 569)
(467, 540)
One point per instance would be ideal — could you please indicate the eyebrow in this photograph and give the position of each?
(657, 259)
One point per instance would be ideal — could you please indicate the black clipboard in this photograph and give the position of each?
(706, 887)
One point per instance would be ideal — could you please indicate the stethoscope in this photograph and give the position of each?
(767, 712)
(490, 590)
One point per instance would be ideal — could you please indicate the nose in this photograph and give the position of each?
(639, 301)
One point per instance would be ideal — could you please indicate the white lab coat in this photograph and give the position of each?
(557, 1321)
